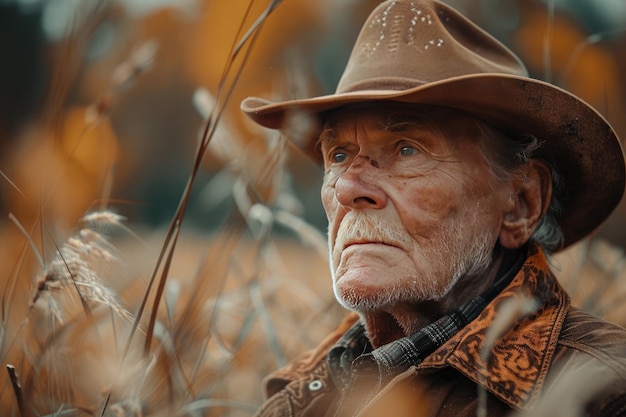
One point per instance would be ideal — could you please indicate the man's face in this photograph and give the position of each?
(411, 204)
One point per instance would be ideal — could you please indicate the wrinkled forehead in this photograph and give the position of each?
(398, 118)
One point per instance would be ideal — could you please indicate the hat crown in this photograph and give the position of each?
(405, 44)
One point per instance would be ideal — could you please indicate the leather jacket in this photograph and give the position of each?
(547, 360)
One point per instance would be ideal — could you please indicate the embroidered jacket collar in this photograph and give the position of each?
(509, 347)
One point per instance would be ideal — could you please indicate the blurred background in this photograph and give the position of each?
(103, 105)
(141, 62)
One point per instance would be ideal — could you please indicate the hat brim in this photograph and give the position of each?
(577, 139)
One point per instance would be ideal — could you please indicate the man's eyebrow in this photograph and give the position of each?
(393, 123)
(327, 136)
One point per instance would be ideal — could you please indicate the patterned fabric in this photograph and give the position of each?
(518, 363)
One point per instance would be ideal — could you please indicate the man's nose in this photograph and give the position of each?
(357, 187)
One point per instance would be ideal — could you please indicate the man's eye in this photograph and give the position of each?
(339, 157)
(408, 150)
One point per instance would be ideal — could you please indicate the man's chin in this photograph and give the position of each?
(361, 297)
(370, 289)
(358, 305)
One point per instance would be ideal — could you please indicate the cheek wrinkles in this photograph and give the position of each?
(334, 213)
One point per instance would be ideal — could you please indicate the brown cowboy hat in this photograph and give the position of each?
(425, 52)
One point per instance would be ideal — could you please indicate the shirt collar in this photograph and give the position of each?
(351, 345)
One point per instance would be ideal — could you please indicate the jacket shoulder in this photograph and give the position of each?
(591, 335)
(588, 372)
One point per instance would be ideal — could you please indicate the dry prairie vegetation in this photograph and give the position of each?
(103, 316)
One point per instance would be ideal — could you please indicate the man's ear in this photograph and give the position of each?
(529, 203)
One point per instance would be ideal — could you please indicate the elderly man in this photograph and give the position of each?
(450, 176)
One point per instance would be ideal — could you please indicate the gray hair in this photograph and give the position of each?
(505, 154)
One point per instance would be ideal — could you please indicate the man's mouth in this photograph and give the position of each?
(369, 242)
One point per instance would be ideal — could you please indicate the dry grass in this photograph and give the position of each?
(111, 326)
(101, 318)
(594, 273)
